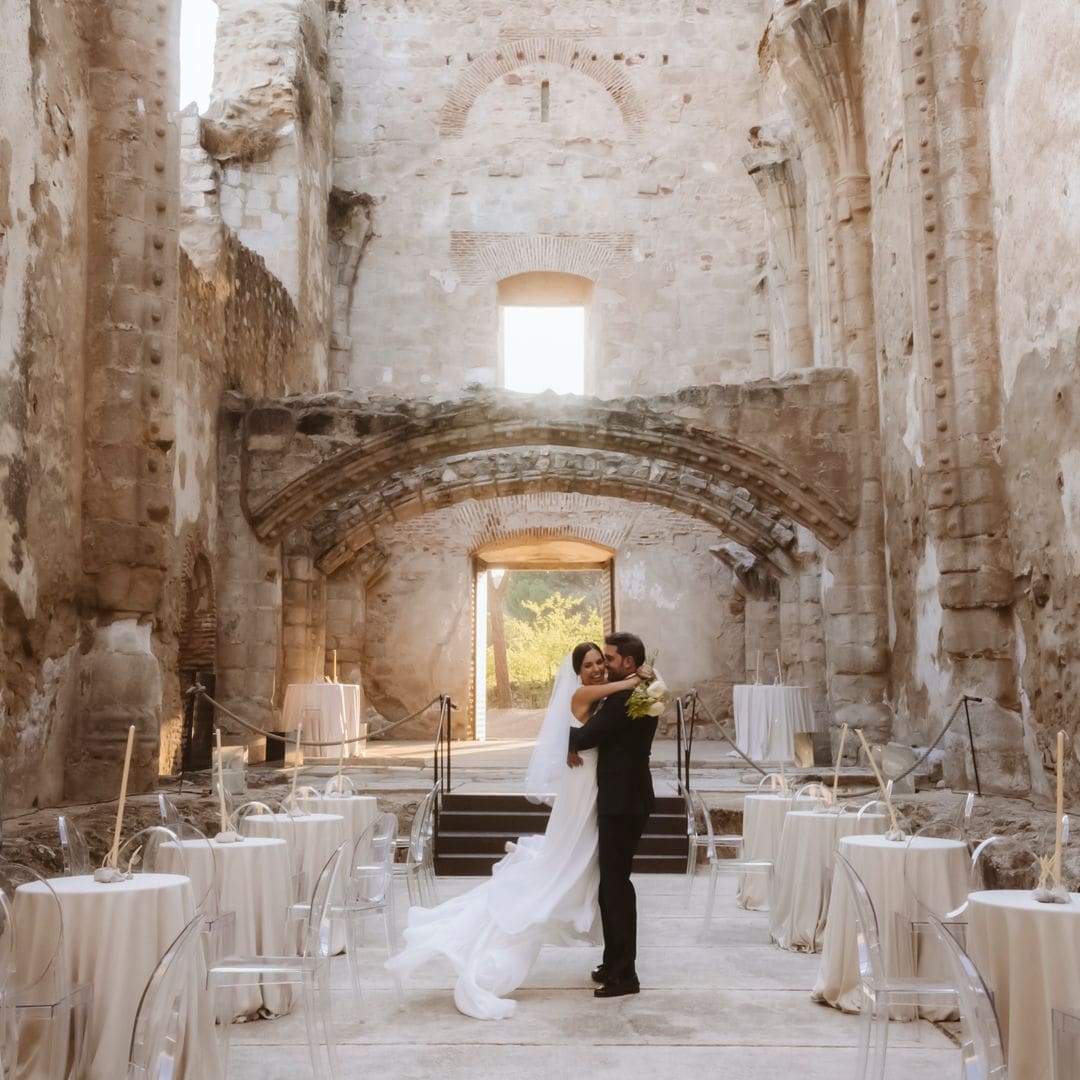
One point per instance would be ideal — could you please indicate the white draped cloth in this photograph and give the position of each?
(802, 877)
(359, 811)
(767, 718)
(1027, 954)
(542, 893)
(328, 711)
(114, 936)
(763, 825)
(937, 872)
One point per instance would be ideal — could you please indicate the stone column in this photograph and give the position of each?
(303, 612)
(819, 47)
(956, 347)
(775, 168)
(130, 367)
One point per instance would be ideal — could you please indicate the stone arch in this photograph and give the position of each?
(347, 526)
(349, 452)
(575, 55)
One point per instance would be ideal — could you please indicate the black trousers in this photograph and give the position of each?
(619, 837)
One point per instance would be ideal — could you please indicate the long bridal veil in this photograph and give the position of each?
(548, 761)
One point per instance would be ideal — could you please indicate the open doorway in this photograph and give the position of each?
(534, 602)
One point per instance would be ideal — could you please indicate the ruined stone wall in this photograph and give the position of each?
(600, 138)
(418, 627)
(1031, 63)
(43, 260)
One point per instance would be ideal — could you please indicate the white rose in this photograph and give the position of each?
(657, 709)
(657, 689)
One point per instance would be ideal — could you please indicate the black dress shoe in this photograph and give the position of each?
(598, 974)
(618, 989)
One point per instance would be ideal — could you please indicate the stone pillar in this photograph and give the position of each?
(956, 347)
(819, 47)
(802, 638)
(303, 613)
(775, 168)
(248, 573)
(130, 368)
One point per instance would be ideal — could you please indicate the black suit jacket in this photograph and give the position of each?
(623, 779)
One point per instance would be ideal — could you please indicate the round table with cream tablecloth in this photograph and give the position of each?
(1029, 956)
(254, 881)
(763, 824)
(313, 839)
(114, 936)
(938, 872)
(328, 711)
(767, 718)
(803, 873)
(359, 811)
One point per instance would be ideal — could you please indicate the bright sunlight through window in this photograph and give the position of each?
(544, 349)
(198, 32)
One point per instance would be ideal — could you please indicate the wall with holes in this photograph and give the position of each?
(595, 138)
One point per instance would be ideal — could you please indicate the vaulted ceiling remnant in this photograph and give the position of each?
(751, 459)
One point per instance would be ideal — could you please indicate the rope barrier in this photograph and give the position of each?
(278, 737)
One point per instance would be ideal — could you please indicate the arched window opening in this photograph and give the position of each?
(543, 332)
(198, 36)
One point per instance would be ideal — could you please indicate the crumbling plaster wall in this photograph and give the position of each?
(43, 176)
(1031, 59)
(417, 632)
(640, 188)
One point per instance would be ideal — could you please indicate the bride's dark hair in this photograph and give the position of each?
(577, 657)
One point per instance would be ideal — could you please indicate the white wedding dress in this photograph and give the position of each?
(544, 892)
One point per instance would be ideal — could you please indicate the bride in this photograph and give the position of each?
(544, 891)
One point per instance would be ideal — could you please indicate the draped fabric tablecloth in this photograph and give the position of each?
(328, 711)
(767, 717)
(938, 872)
(114, 936)
(359, 811)
(1029, 956)
(255, 881)
(803, 874)
(312, 839)
(763, 823)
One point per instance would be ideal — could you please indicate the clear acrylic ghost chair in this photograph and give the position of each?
(877, 807)
(159, 1037)
(294, 804)
(47, 1015)
(202, 867)
(880, 990)
(339, 785)
(719, 868)
(418, 869)
(73, 848)
(980, 1034)
(310, 970)
(153, 850)
(774, 784)
(170, 813)
(914, 935)
(700, 835)
(369, 891)
(1065, 1028)
(813, 796)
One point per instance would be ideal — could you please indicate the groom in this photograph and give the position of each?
(624, 802)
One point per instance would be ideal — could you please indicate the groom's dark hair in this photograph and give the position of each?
(627, 645)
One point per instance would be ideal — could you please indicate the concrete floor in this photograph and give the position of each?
(733, 1006)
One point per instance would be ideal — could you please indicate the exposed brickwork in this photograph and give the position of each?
(486, 258)
(520, 52)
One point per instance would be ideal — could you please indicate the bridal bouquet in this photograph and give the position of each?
(648, 698)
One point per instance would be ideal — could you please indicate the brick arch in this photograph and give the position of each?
(483, 258)
(602, 537)
(347, 526)
(310, 456)
(575, 55)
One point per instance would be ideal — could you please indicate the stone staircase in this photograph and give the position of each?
(474, 830)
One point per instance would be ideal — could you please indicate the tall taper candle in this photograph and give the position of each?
(779, 668)
(335, 665)
(839, 759)
(1060, 806)
(221, 784)
(115, 849)
(296, 765)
